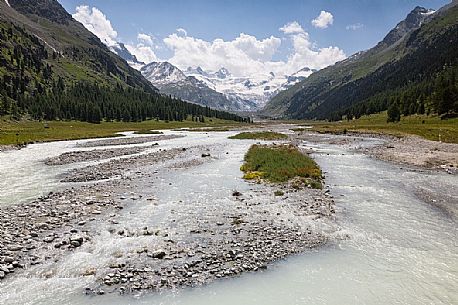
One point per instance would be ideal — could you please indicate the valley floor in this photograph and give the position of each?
(154, 212)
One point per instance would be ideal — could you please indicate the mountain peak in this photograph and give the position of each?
(223, 73)
(157, 72)
(412, 22)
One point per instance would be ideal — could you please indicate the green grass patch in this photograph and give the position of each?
(27, 131)
(428, 127)
(263, 135)
(279, 193)
(279, 164)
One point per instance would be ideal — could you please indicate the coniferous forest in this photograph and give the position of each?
(30, 86)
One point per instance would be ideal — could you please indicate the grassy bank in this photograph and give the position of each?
(280, 164)
(25, 131)
(431, 128)
(264, 135)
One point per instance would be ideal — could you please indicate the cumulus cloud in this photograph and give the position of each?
(354, 27)
(182, 31)
(247, 55)
(143, 52)
(145, 38)
(323, 20)
(292, 28)
(305, 53)
(96, 22)
(243, 55)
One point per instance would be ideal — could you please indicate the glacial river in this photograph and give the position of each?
(390, 246)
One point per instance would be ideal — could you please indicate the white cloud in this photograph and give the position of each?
(143, 52)
(96, 22)
(306, 54)
(323, 20)
(244, 55)
(292, 28)
(182, 31)
(145, 38)
(247, 55)
(355, 26)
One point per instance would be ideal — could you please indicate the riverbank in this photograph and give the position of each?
(116, 211)
(428, 127)
(419, 152)
(30, 131)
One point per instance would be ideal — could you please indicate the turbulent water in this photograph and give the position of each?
(391, 247)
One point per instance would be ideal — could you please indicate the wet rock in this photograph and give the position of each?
(76, 240)
(160, 254)
(15, 248)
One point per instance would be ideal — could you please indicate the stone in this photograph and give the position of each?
(75, 243)
(160, 254)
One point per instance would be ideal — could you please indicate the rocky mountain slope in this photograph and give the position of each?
(412, 53)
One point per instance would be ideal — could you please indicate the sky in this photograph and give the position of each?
(245, 36)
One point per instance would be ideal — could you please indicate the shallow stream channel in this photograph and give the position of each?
(386, 246)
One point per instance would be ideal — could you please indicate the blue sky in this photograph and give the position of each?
(208, 20)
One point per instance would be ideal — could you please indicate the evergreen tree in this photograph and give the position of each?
(394, 114)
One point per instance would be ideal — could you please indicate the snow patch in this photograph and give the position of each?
(46, 43)
(429, 12)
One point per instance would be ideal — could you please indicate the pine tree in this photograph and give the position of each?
(394, 114)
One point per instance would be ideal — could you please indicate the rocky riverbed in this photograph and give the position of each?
(416, 151)
(92, 155)
(127, 140)
(164, 244)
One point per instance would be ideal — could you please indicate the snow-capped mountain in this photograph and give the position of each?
(162, 73)
(256, 88)
(218, 89)
(172, 81)
(296, 78)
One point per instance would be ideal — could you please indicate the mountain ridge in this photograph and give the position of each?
(328, 92)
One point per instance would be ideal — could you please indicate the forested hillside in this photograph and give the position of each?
(51, 67)
(414, 73)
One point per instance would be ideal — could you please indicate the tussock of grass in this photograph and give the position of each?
(298, 129)
(264, 135)
(279, 193)
(279, 164)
